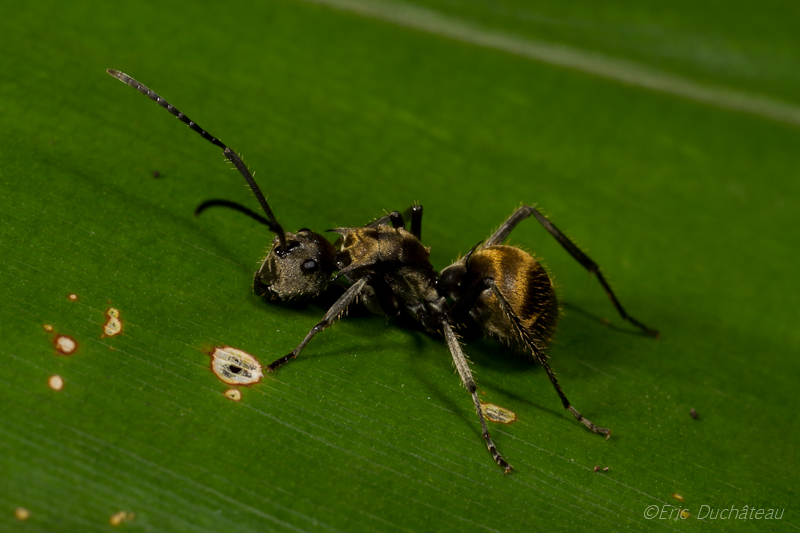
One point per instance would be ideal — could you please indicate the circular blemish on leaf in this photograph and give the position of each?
(235, 367)
(65, 345)
(73, 297)
(233, 394)
(48, 327)
(495, 413)
(56, 382)
(20, 513)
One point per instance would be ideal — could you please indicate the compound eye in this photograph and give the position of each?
(309, 266)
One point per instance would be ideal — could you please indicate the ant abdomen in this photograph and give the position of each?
(525, 285)
(506, 292)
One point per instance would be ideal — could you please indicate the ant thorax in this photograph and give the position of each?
(397, 264)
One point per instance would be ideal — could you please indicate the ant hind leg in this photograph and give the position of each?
(540, 356)
(524, 212)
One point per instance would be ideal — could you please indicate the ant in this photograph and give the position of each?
(496, 289)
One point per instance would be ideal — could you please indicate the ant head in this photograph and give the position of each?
(300, 268)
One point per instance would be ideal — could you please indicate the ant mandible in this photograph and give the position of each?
(500, 290)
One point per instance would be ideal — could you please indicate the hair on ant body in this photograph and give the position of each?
(498, 289)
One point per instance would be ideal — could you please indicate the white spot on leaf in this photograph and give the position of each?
(233, 394)
(235, 367)
(113, 325)
(65, 345)
(55, 382)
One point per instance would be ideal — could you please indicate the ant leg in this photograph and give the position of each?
(397, 220)
(415, 214)
(333, 313)
(524, 212)
(394, 218)
(539, 355)
(462, 366)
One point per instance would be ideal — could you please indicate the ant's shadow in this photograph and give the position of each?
(602, 321)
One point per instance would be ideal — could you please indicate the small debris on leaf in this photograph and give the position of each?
(120, 517)
(156, 173)
(685, 514)
(20, 513)
(677, 496)
(235, 367)
(73, 297)
(596, 468)
(65, 344)
(693, 413)
(55, 382)
(48, 327)
(605, 469)
(495, 413)
(233, 394)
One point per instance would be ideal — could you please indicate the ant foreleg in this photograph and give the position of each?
(462, 366)
(333, 313)
(524, 212)
(540, 356)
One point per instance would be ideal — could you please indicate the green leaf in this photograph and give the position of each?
(690, 208)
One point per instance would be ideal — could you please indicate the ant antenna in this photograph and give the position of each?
(216, 202)
(272, 222)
